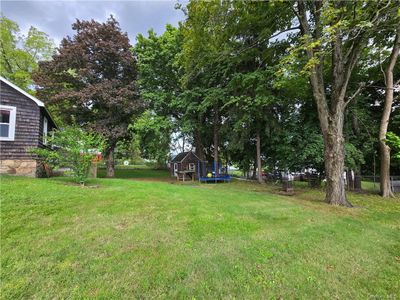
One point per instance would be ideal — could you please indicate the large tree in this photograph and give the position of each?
(160, 83)
(92, 80)
(387, 109)
(332, 35)
(225, 54)
(19, 54)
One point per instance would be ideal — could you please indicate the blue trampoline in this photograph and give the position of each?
(214, 178)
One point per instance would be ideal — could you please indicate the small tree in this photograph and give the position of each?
(72, 148)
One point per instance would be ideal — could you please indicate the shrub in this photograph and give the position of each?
(73, 148)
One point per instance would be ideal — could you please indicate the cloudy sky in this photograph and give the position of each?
(55, 17)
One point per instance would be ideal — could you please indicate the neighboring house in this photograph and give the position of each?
(24, 124)
(185, 165)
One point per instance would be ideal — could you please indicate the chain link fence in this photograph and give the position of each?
(372, 183)
(364, 183)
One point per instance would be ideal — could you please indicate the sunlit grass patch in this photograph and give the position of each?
(138, 239)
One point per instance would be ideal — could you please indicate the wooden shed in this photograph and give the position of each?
(185, 166)
(24, 124)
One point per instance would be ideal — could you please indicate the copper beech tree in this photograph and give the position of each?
(91, 80)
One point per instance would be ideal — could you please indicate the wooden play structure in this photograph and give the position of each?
(187, 166)
(184, 166)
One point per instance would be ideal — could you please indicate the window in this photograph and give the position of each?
(192, 167)
(7, 122)
(45, 130)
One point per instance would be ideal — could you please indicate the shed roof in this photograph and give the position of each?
(181, 156)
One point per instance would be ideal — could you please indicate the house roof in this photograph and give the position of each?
(37, 101)
(34, 99)
(181, 156)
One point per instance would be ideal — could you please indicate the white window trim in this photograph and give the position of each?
(45, 130)
(11, 128)
(194, 167)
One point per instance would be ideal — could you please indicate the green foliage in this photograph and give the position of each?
(159, 68)
(93, 84)
(73, 148)
(393, 141)
(243, 66)
(354, 157)
(311, 152)
(19, 54)
(128, 149)
(154, 135)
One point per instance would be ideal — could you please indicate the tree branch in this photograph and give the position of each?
(283, 31)
(316, 76)
(356, 93)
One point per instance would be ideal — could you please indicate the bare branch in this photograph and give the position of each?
(356, 93)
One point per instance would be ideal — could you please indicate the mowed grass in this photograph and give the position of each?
(124, 239)
(137, 173)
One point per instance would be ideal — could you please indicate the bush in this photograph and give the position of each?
(73, 148)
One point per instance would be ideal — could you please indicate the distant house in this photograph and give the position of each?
(24, 124)
(185, 165)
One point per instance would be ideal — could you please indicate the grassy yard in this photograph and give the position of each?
(137, 173)
(120, 239)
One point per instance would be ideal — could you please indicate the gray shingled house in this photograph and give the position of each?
(24, 124)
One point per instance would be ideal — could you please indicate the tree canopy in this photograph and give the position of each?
(19, 54)
(91, 80)
(273, 86)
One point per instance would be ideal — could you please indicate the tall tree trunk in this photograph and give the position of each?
(254, 175)
(110, 162)
(198, 143)
(259, 167)
(384, 149)
(334, 163)
(330, 112)
(216, 138)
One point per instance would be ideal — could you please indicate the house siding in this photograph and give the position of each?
(26, 125)
(50, 126)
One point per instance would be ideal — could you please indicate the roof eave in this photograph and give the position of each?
(37, 101)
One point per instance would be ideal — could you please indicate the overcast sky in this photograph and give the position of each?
(55, 17)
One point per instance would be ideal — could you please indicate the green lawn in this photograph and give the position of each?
(124, 239)
(137, 173)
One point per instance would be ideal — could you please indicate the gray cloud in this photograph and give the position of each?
(55, 17)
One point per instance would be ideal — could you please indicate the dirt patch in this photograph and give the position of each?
(283, 193)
